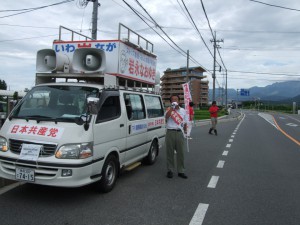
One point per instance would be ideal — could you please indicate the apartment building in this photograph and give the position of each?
(172, 80)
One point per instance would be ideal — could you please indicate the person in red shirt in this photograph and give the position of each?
(213, 110)
(191, 119)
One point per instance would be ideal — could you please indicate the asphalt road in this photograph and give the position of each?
(248, 174)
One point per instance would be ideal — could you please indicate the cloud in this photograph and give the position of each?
(257, 38)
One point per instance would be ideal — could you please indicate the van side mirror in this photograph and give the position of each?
(93, 105)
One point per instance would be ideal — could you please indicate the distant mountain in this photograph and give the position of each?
(295, 99)
(280, 91)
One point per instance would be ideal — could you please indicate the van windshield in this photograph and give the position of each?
(55, 103)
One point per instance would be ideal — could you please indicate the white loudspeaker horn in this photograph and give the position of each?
(47, 61)
(89, 60)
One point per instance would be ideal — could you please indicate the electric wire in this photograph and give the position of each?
(184, 13)
(273, 74)
(197, 29)
(151, 27)
(214, 40)
(275, 5)
(33, 9)
(182, 52)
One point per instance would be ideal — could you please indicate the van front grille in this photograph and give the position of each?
(47, 150)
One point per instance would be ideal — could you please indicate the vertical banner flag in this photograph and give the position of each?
(187, 100)
(187, 97)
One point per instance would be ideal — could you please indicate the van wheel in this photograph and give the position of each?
(152, 154)
(109, 174)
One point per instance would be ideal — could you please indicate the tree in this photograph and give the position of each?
(3, 85)
(16, 95)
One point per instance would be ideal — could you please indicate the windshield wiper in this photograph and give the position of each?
(40, 118)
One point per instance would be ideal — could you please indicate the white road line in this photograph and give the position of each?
(225, 153)
(292, 125)
(221, 164)
(230, 140)
(213, 182)
(199, 214)
(293, 118)
(10, 187)
(268, 118)
(232, 136)
(228, 145)
(234, 133)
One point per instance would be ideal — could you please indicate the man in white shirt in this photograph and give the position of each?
(176, 119)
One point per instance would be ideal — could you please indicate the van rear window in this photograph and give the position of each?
(154, 106)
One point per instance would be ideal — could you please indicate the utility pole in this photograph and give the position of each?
(237, 98)
(187, 66)
(215, 41)
(94, 18)
(226, 90)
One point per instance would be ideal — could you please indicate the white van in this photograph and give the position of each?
(76, 147)
(71, 134)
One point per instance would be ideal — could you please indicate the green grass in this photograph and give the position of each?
(204, 114)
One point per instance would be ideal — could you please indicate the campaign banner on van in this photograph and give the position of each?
(156, 123)
(121, 59)
(138, 127)
(136, 65)
(36, 130)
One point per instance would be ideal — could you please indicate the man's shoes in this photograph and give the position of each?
(170, 174)
(182, 175)
(216, 133)
(210, 130)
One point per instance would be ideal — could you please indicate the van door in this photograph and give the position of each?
(109, 130)
(136, 144)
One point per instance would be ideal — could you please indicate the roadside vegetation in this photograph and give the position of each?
(270, 106)
(202, 114)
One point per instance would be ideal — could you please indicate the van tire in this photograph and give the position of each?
(152, 154)
(109, 174)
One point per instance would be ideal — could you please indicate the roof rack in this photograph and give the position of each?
(61, 28)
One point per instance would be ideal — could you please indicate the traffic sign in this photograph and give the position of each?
(245, 92)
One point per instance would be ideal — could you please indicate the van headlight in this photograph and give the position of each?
(75, 151)
(3, 144)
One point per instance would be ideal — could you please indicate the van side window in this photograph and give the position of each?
(109, 110)
(134, 106)
(154, 106)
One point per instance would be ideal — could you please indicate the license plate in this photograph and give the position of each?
(25, 174)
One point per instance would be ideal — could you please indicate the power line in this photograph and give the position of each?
(26, 26)
(156, 24)
(262, 49)
(215, 47)
(135, 11)
(275, 5)
(40, 7)
(203, 7)
(184, 13)
(182, 52)
(197, 29)
(274, 74)
(32, 9)
(18, 39)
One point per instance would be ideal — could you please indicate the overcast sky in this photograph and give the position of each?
(261, 43)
